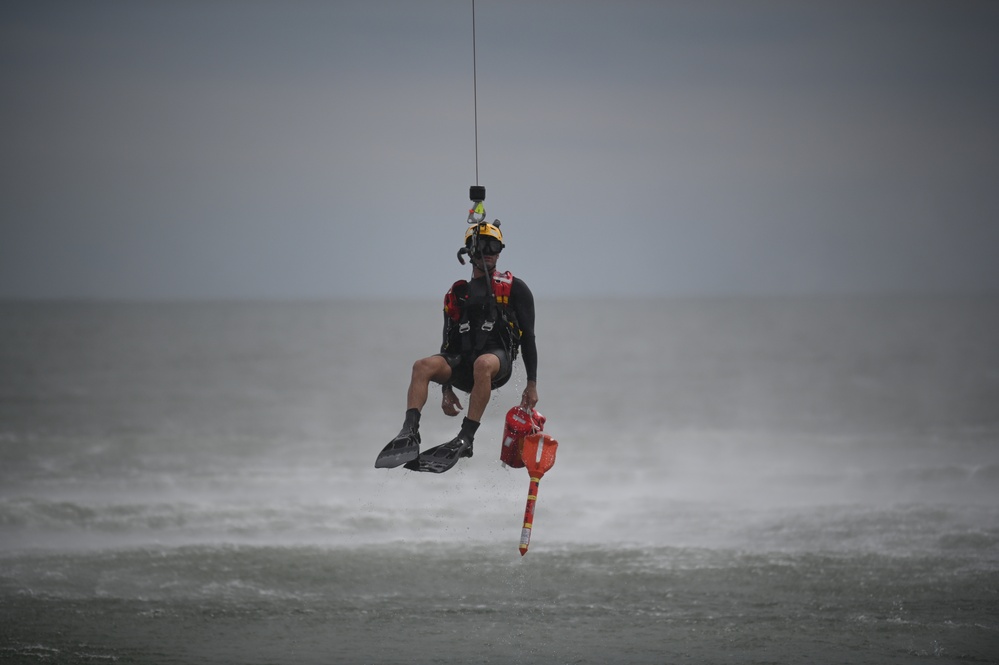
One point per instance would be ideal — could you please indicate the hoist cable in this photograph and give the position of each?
(475, 97)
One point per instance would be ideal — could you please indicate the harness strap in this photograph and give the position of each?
(496, 310)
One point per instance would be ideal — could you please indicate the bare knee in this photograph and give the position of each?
(485, 367)
(434, 368)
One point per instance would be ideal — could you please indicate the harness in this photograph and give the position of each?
(498, 322)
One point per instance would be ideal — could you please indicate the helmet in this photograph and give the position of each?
(485, 229)
(487, 238)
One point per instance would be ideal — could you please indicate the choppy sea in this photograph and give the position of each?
(738, 481)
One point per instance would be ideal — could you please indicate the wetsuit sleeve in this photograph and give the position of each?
(523, 307)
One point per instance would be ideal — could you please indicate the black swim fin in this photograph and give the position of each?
(441, 458)
(405, 448)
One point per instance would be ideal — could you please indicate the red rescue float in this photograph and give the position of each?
(519, 423)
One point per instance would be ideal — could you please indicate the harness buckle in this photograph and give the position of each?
(488, 326)
(464, 327)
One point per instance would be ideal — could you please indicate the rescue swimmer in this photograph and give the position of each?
(488, 321)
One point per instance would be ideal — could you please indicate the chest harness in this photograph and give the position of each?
(471, 325)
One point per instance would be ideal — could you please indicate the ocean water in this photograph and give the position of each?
(738, 481)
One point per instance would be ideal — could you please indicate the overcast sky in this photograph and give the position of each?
(204, 148)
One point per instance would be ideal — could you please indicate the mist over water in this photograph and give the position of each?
(746, 480)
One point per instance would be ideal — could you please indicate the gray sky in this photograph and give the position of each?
(202, 148)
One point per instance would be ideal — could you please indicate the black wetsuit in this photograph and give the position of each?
(475, 310)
